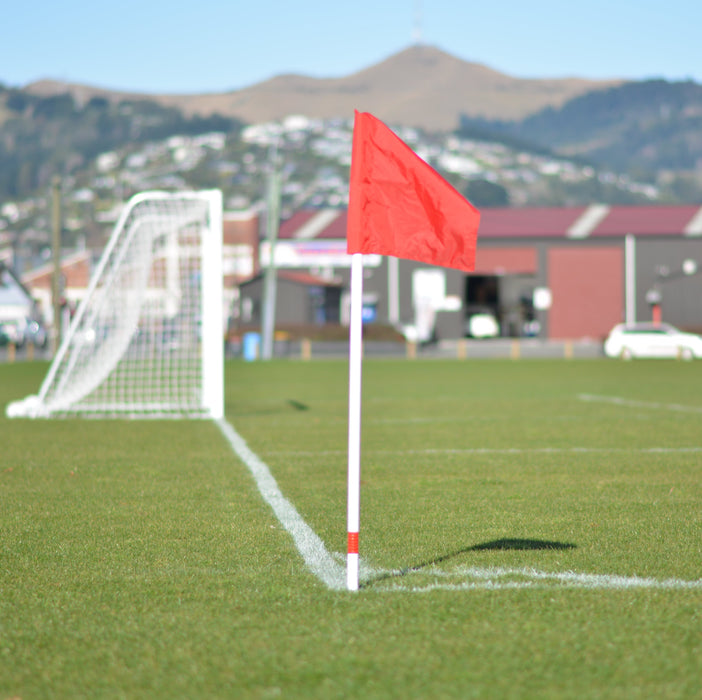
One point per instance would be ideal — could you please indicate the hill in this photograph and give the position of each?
(57, 133)
(648, 131)
(649, 126)
(421, 86)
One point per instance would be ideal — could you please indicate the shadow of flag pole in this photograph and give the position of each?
(398, 206)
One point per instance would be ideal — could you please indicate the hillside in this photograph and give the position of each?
(40, 136)
(647, 134)
(645, 126)
(421, 86)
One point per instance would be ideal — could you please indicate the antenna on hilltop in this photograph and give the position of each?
(417, 32)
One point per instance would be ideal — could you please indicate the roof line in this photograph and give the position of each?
(588, 221)
(694, 225)
(239, 215)
(316, 224)
(70, 259)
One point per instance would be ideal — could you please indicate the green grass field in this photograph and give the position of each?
(529, 529)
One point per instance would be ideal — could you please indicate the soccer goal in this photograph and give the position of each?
(147, 340)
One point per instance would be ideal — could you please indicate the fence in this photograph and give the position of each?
(463, 349)
(510, 348)
(26, 353)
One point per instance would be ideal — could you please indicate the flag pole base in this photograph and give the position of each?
(352, 572)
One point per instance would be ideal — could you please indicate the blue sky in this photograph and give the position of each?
(213, 46)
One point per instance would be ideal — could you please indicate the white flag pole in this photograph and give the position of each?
(354, 461)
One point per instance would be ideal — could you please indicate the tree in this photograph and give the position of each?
(483, 193)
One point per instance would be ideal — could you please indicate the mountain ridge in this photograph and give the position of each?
(421, 86)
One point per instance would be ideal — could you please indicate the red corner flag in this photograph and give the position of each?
(400, 206)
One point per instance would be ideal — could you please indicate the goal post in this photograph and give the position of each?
(147, 340)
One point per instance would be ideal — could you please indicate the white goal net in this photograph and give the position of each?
(147, 340)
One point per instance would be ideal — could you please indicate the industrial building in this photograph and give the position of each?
(552, 273)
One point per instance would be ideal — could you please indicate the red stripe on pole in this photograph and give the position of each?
(353, 543)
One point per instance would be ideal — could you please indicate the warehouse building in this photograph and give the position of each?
(553, 273)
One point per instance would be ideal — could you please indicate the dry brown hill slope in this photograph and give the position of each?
(421, 86)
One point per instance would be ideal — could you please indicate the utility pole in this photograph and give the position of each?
(270, 286)
(417, 33)
(56, 225)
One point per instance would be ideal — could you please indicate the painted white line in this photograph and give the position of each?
(495, 451)
(408, 421)
(330, 572)
(308, 543)
(493, 578)
(556, 450)
(483, 418)
(619, 401)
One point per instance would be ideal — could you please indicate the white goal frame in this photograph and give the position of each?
(147, 340)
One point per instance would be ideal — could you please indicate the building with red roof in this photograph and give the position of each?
(550, 272)
(553, 272)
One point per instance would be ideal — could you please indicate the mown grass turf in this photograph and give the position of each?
(137, 559)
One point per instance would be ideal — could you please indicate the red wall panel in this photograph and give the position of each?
(588, 291)
(499, 261)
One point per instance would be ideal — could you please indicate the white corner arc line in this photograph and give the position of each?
(489, 578)
(308, 543)
(324, 566)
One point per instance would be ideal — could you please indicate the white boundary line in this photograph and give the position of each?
(332, 574)
(310, 546)
(620, 401)
(489, 579)
(499, 451)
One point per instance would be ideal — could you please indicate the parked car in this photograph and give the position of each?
(36, 334)
(483, 326)
(19, 331)
(481, 322)
(7, 333)
(652, 340)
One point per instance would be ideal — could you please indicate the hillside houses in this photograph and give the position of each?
(313, 156)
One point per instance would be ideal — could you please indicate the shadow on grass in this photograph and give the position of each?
(507, 543)
(513, 543)
(272, 410)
